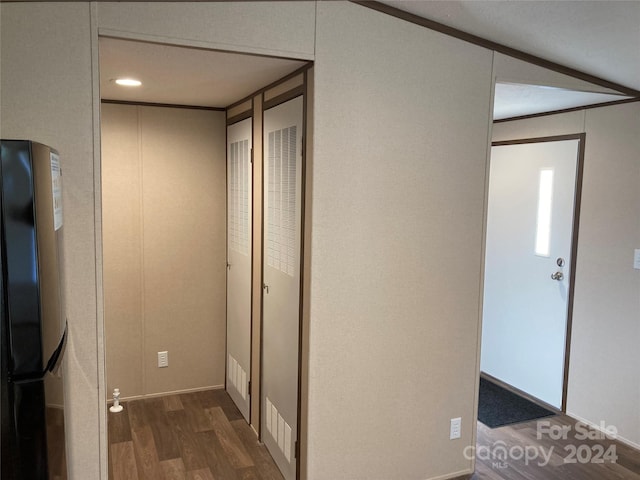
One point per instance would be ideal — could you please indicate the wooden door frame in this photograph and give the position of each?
(581, 137)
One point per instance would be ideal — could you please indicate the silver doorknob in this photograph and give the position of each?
(557, 276)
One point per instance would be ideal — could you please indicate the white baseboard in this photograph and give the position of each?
(619, 438)
(450, 476)
(163, 394)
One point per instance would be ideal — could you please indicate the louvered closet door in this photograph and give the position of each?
(281, 292)
(239, 198)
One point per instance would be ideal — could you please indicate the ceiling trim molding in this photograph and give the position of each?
(491, 45)
(195, 44)
(241, 116)
(165, 105)
(568, 110)
(293, 74)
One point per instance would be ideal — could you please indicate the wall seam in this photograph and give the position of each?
(483, 248)
(98, 246)
(143, 317)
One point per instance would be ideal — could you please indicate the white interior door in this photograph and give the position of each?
(239, 198)
(281, 270)
(529, 237)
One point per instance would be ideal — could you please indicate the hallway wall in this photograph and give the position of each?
(46, 95)
(164, 237)
(401, 131)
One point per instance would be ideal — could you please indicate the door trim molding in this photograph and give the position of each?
(301, 333)
(554, 138)
(581, 137)
(574, 254)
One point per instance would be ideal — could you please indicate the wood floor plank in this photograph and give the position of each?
(261, 458)
(153, 408)
(202, 474)
(196, 415)
(250, 473)
(187, 441)
(209, 398)
(173, 469)
(156, 415)
(231, 444)
(110, 461)
(622, 471)
(147, 459)
(227, 405)
(123, 466)
(166, 444)
(172, 403)
(136, 411)
(562, 465)
(628, 457)
(119, 427)
(217, 460)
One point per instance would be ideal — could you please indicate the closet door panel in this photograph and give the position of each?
(281, 272)
(239, 234)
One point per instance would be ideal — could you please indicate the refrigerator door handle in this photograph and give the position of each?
(56, 357)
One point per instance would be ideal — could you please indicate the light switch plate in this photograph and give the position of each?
(636, 259)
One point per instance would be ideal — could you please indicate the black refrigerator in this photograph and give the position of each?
(32, 327)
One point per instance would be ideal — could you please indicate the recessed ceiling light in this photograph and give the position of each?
(128, 82)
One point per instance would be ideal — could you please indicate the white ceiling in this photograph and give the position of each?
(185, 76)
(601, 38)
(514, 100)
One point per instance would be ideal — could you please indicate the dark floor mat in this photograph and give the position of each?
(498, 406)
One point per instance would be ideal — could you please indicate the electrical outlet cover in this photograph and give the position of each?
(163, 359)
(456, 427)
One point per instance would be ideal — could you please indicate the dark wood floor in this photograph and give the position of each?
(202, 436)
(195, 436)
(590, 455)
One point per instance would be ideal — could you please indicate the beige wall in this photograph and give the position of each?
(122, 248)
(164, 237)
(46, 88)
(401, 120)
(603, 374)
(282, 28)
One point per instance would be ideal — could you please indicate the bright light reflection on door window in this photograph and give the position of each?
(543, 228)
